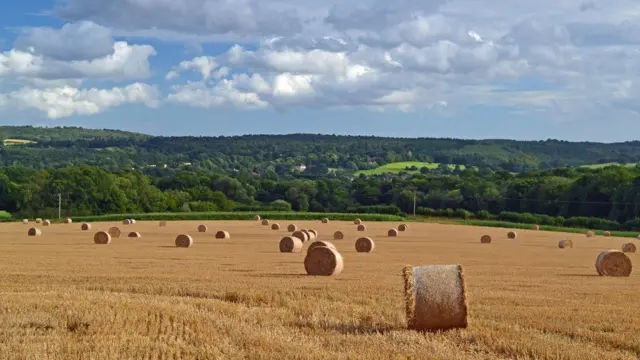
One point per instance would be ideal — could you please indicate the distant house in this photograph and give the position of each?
(301, 168)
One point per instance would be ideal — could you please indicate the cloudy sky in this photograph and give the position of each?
(565, 69)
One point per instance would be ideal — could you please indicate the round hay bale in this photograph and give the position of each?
(275, 226)
(25, 221)
(85, 227)
(403, 227)
(323, 261)
(357, 222)
(114, 232)
(256, 218)
(361, 227)
(591, 234)
(315, 244)
(563, 244)
(126, 222)
(512, 235)
(313, 233)
(292, 228)
(102, 238)
(184, 241)
(485, 239)
(365, 244)
(223, 235)
(46, 223)
(134, 234)
(338, 235)
(34, 232)
(202, 228)
(629, 248)
(435, 297)
(325, 220)
(68, 220)
(133, 221)
(38, 220)
(613, 263)
(265, 222)
(290, 244)
(607, 233)
(535, 227)
(306, 232)
(162, 223)
(392, 233)
(304, 237)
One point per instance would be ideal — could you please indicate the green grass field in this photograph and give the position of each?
(4, 215)
(8, 142)
(600, 166)
(397, 167)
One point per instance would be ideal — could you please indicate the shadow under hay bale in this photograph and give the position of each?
(392, 233)
(323, 261)
(223, 235)
(292, 228)
(613, 263)
(365, 245)
(134, 234)
(102, 238)
(512, 235)
(485, 239)
(403, 227)
(275, 226)
(85, 227)
(114, 232)
(435, 297)
(290, 244)
(184, 241)
(315, 244)
(303, 236)
(629, 248)
(34, 232)
(564, 244)
(338, 235)
(361, 227)
(202, 228)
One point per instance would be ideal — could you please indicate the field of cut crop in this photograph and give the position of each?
(397, 167)
(62, 297)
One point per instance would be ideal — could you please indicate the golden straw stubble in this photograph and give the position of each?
(613, 263)
(435, 297)
(323, 261)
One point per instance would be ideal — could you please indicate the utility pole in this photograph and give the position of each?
(59, 206)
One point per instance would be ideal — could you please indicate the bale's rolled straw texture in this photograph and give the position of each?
(306, 232)
(338, 235)
(485, 239)
(512, 235)
(34, 232)
(256, 218)
(202, 228)
(102, 238)
(313, 233)
(68, 220)
(435, 297)
(607, 233)
(629, 248)
(357, 221)
(301, 235)
(134, 234)
(275, 226)
(265, 222)
(85, 227)
(535, 227)
(325, 220)
(127, 222)
(292, 228)
(223, 235)
(184, 241)
(38, 220)
(403, 227)
(290, 244)
(315, 244)
(133, 221)
(323, 261)
(613, 263)
(392, 233)
(361, 227)
(46, 223)
(114, 232)
(563, 244)
(25, 221)
(365, 244)
(591, 234)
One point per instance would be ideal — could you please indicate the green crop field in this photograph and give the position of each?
(599, 166)
(8, 142)
(397, 167)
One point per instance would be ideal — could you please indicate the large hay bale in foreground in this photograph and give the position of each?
(403, 227)
(256, 218)
(292, 228)
(265, 222)
(46, 223)
(338, 235)
(202, 228)
(365, 244)
(325, 220)
(315, 244)
(184, 241)
(629, 248)
(535, 227)
(290, 244)
(361, 227)
(512, 235)
(134, 234)
(590, 234)
(392, 233)
(485, 239)
(304, 237)
(102, 238)
(435, 297)
(563, 244)
(613, 263)
(114, 232)
(68, 220)
(38, 220)
(34, 232)
(25, 221)
(323, 261)
(357, 222)
(85, 227)
(607, 233)
(275, 226)
(223, 235)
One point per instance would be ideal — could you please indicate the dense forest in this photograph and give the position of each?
(261, 154)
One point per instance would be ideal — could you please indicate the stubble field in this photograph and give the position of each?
(62, 297)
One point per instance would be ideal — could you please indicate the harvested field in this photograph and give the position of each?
(64, 297)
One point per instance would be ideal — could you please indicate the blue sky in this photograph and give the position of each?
(437, 68)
